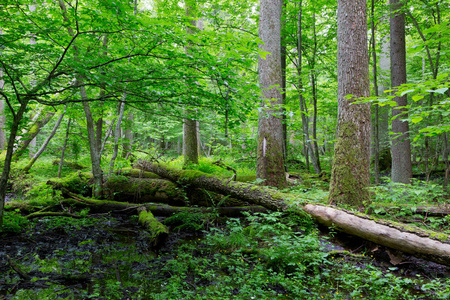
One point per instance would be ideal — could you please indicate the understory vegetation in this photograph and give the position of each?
(270, 255)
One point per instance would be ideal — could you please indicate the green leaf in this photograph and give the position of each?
(416, 120)
(439, 91)
(406, 92)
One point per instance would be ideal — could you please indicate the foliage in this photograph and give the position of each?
(14, 222)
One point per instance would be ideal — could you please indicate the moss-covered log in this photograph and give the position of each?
(142, 190)
(409, 239)
(136, 173)
(158, 231)
(258, 195)
(426, 244)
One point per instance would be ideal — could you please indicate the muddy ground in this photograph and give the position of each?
(79, 260)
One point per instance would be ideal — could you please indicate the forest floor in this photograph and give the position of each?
(206, 256)
(108, 257)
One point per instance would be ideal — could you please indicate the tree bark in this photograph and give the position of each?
(117, 135)
(263, 196)
(190, 137)
(270, 165)
(350, 176)
(2, 115)
(401, 148)
(421, 243)
(314, 148)
(31, 134)
(44, 145)
(376, 136)
(128, 136)
(9, 154)
(63, 151)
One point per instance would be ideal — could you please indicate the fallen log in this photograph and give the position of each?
(258, 195)
(422, 243)
(157, 230)
(142, 190)
(426, 244)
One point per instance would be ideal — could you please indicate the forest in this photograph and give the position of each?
(213, 149)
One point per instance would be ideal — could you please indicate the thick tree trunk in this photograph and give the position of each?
(401, 148)
(420, 243)
(350, 176)
(247, 192)
(270, 165)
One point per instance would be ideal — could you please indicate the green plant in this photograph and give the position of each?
(13, 222)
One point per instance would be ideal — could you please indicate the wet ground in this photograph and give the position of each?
(83, 258)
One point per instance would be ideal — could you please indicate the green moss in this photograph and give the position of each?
(77, 182)
(152, 225)
(349, 181)
(136, 173)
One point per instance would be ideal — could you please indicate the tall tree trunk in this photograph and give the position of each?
(44, 145)
(190, 137)
(63, 151)
(117, 135)
(385, 159)
(270, 165)
(314, 145)
(283, 82)
(350, 176)
(303, 108)
(128, 136)
(401, 148)
(376, 136)
(2, 113)
(17, 117)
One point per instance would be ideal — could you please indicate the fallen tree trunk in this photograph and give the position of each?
(158, 231)
(412, 240)
(427, 244)
(258, 195)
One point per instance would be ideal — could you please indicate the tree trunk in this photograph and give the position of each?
(350, 176)
(270, 165)
(247, 192)
(44, 145)
(314, 151)
(283, 83)
(9, 154)
(2, 115)
(303, 107)
(401, 148)
(117, 135)
(427, 244)
(128, 136)
(411, 240)
(63, 151)
(376, 136)
(96, 156)
(190, 137)
(31, 134)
